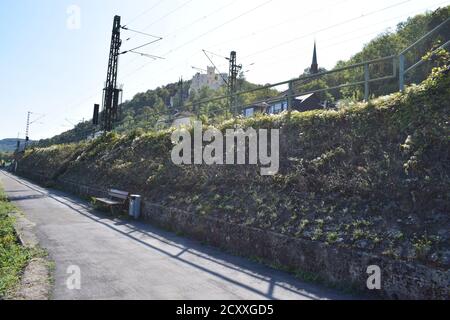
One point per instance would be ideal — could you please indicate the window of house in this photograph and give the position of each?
(276, 108)
(249, 112)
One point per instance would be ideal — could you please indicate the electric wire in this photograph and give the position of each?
(326, 28)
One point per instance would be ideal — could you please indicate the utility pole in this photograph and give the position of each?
(181, 95)
(27, 132)
(95, 119)
(232, 81)
(16, 154)
(18, 143)
(111, 94)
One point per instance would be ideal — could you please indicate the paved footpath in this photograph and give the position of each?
(133, 260)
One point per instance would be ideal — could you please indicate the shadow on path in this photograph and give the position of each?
(272, 277)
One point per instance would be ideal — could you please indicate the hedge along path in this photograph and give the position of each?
(24, 270)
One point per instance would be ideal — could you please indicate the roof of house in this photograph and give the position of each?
(258, 105)
(261, 105)
(284, 95)
(183, 114)
(304, 97)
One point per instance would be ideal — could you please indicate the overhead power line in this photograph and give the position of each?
(143, 54)
(278, 45)
(321, 30)
(286, 21)
(159, 19)
(203, 17)
(219, 26)
(40, 117)
(168, 14)
(218, 71)
(141, 46)
(216, 54)
(326, 28)
(140, 32)
(147, 55)
(205, 33)
(279, 60)
(144, 12)
(171, 68)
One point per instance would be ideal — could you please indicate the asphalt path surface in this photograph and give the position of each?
(131, 260)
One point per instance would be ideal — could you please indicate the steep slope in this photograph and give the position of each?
(371, 176)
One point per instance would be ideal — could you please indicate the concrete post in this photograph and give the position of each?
(290, 94)
(366, 82)
(401, 72)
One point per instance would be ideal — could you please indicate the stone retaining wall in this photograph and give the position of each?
(336, 266)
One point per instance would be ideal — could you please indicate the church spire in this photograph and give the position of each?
(314, 65)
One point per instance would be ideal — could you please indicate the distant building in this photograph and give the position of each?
(300, 103)
(211, 80)
(182, 119)
(314, 66)
(256, 108)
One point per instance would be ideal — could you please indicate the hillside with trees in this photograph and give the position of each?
(151, 110)
(10, 145)
(386, 44)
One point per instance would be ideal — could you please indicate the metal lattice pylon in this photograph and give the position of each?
(112, 94)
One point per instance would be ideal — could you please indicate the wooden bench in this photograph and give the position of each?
(117, 199)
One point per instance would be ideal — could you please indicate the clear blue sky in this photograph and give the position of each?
(53, 69)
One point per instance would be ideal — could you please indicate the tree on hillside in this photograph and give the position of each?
(391, 43)
(5, 157)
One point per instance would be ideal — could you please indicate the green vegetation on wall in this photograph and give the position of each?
(372, 176)
(5, 157)
(13, 256)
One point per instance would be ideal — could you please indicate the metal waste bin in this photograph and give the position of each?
(135, 206)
